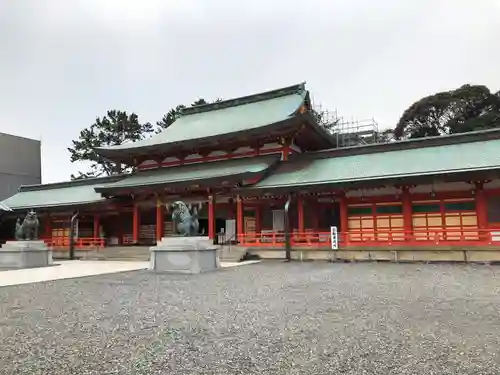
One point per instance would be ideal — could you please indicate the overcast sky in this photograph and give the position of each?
(63, 63)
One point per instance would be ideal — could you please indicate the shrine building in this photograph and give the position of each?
(240, 161)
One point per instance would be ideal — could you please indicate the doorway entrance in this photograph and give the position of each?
(330, 217)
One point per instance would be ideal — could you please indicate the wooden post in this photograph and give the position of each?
(136, 223)
(159, 220)
(240, 225)
(211, 217)
(407, 214)
(482, 211)
(97, 226)
(286, 152)
(344, 219)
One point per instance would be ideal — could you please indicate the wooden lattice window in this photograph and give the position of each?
(376, 222)
(389, 222)
(445, 220)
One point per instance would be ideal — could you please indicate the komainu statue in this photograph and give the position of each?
(28, 229)
(187, 222)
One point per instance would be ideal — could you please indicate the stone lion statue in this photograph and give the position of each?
(28, 228)
(187, 223)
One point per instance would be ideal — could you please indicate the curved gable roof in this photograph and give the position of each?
(217, 120)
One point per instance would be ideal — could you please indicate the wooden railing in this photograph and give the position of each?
(424, 237)
(84, 243)
(277, 239)
(378, 238)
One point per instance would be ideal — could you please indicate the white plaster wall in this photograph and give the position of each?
(193, 156)
(170, 159)
(152, 163)
(243, 149)
(148, 164)
(270, 145)
(217, 153)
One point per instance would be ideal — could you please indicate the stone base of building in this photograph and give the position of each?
(63, 254)
(25, 254)
(425, 254)
(189, 255)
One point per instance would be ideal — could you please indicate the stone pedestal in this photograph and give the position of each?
(25, 254)
(190, 255)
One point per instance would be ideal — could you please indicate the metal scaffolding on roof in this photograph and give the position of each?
(348, 132)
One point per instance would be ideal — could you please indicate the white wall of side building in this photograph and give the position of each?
(20, 163)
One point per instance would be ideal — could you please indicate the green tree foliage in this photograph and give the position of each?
(468, 108)
(115, 128)
(169, 118)
(384, 136)
(172, 115)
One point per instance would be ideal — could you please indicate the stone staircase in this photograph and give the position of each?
(123, 253)
(232, 253)
(227, 253)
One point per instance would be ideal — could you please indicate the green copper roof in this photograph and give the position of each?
(222, 118)
(3, 207)
(195, 173)
(443, 159)
(72, 193)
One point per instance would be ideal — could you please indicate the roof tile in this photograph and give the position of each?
(195, 172)
(199, 123)
(474, 156)
(71, 193)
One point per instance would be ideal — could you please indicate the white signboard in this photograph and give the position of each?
(76, 227)
(334, 238)
(230, 232)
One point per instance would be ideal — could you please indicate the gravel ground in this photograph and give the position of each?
(268, 318)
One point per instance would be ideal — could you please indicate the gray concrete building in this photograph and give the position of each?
(20, 163)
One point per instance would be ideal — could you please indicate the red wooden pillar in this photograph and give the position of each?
(159, 220)
(482, 211)
(300, 213)
(211, 217)
(97, 226)
(136, 223)
(240, 227)
(407, 214)
(344, 219)
(286, 152)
